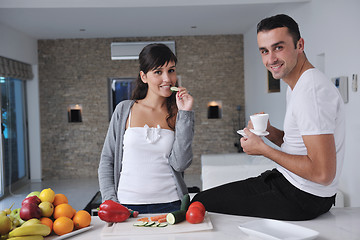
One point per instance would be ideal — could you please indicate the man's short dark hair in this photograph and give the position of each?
(278, 21)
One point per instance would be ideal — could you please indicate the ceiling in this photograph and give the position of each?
(45, 19)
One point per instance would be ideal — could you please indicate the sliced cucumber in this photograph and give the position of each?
(185, 203)
(162, 224)
(140, 224)
(176, 217)
(174, 89)
(149, 224)
(156, 224)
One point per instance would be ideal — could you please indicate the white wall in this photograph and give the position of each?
(330, 29)
(18, 46)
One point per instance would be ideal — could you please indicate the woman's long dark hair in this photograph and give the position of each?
(151, 57)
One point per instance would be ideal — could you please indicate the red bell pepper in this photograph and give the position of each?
(111, 211)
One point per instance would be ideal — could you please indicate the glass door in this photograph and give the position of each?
(14, 164)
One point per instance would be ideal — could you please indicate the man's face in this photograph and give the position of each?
(278, 52)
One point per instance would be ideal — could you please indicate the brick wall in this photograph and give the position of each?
(76, 71)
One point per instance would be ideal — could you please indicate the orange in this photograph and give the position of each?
(63, 225)
(63, 210)
(82, 219)
(59, 199)
(47, 221)
(74, 211)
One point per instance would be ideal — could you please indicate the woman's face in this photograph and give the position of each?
(160, 79)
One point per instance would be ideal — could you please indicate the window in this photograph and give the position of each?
(14, 156)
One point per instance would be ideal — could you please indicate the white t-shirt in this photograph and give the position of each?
(313, 107)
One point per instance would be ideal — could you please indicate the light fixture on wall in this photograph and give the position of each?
(214, 109)
(75, 113)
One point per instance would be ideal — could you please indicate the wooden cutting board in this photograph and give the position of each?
(126, 228)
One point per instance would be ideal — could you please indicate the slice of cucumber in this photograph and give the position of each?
(149, 224)
(140, 224)
(156, 224)
(162, 224)
(174, 89)
(176, 216)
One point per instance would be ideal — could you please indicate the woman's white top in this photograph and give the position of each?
(145, 176)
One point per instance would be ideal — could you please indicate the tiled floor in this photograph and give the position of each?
(78, 191)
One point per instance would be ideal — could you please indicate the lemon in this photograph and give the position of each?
(47, 195)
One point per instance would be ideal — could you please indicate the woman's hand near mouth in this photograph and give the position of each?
(184, 100)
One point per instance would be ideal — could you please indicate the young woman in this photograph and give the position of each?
(148, 143)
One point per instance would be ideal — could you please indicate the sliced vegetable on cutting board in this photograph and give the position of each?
(156, 218)
(144, 219)
(149, 224)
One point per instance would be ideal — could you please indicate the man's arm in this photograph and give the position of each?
(276, 136)
(319, 165)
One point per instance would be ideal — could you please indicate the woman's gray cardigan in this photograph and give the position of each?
(111, 157)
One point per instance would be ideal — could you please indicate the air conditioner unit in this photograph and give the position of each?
(131, 50)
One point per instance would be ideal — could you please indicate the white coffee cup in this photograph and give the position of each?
(259, 121)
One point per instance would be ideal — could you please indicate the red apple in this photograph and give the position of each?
(29, 211)
(31, 199)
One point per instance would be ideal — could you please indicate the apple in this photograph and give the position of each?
(47, 209)
(15, 212)
(32, 199)
(30, 210)
(35, 193)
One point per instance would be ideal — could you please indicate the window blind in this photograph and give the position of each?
(15, 69)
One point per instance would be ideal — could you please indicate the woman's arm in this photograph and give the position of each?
(106, 165)
(109, 169)
(181, 153)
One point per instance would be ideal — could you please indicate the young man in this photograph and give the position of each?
(303, 186)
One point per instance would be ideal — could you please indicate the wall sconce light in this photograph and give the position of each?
(214, 109)
(75, 113)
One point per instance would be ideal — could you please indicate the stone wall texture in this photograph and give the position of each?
(76, 71)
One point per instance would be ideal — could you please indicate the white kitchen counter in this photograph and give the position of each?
(339, 223)
(217, 169)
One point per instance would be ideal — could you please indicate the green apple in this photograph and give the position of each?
(47, 209)
(15, 223)
(36, 193)
(16, 214)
